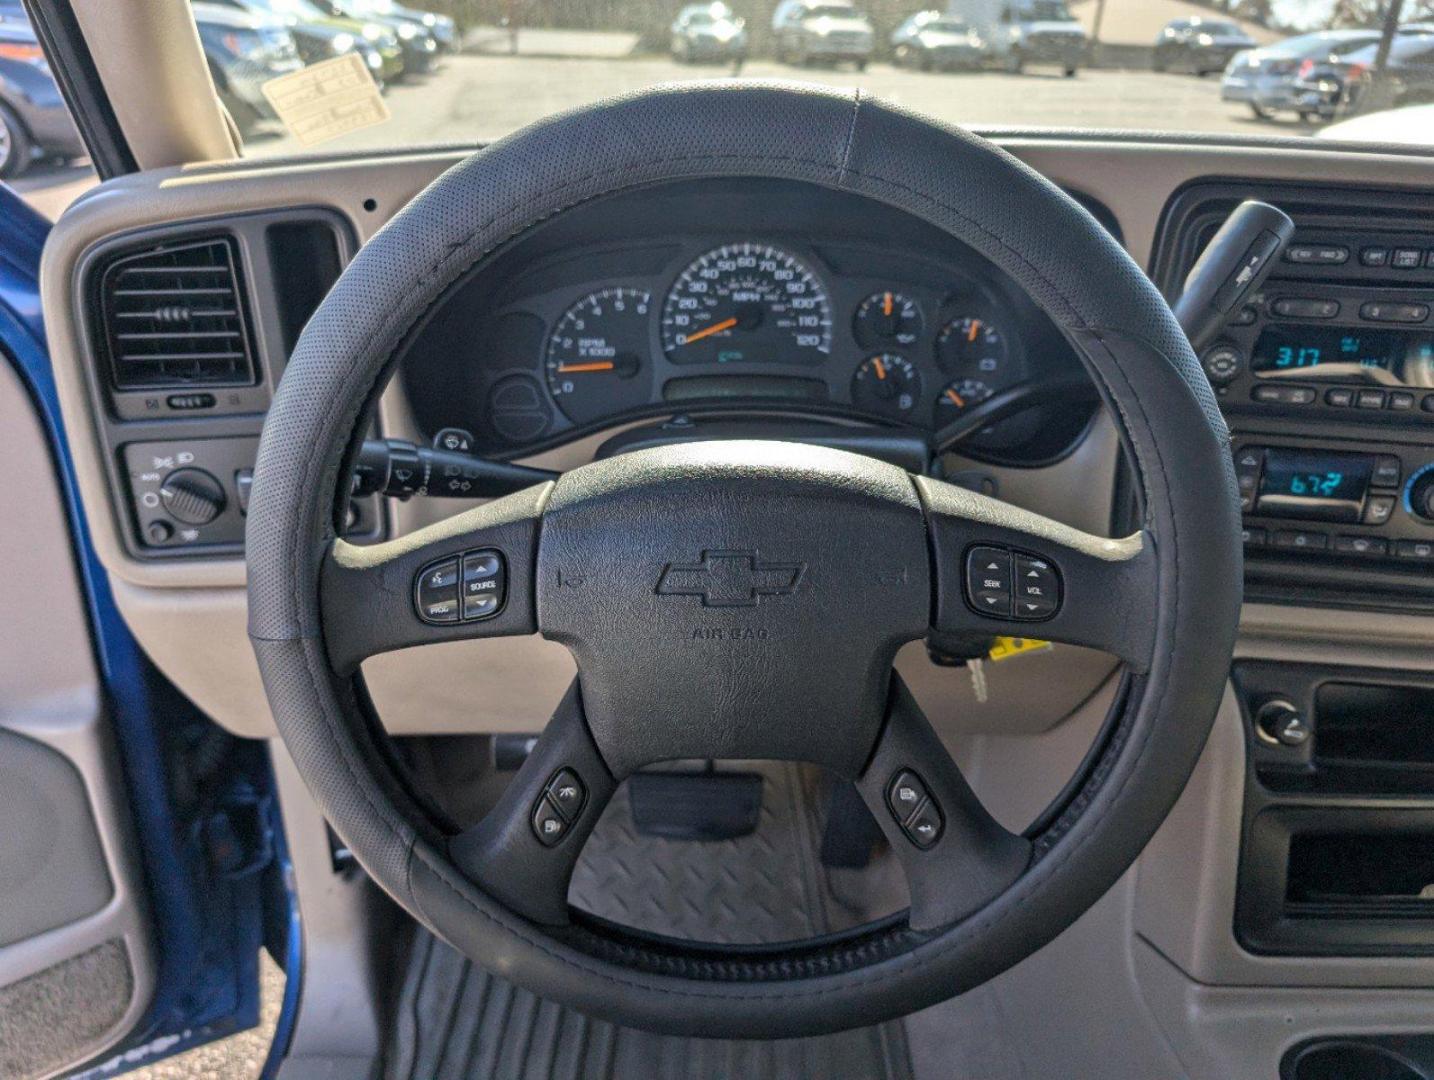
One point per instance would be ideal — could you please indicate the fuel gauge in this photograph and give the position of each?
(887, 317)
(887, 384)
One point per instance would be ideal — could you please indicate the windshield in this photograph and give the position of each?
(475, 70)
(466, 72)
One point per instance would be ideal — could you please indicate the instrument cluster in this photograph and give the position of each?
(759, 322)
(733, 303)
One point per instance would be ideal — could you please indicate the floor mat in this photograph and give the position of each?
(457, 1022)
(454, 1020)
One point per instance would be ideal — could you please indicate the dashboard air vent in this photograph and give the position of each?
(173, 315)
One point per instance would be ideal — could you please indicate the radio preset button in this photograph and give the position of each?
(1370, 399)
(1281, 394)
(1400, 401)
(1340, 396)
(1254, 536)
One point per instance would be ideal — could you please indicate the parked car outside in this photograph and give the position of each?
(244, 52)
(1264, 78)
(932, 41)
(1412, 125)
(1199, 45)
(708, 33)
(34, 121)
(822, 31)
(321, 36)
(419, 47)
(1022, 32)
(1337, 86)
(441, 28)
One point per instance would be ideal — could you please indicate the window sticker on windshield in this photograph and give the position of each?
(327, 99)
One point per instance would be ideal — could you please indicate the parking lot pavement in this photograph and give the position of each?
(473, 98)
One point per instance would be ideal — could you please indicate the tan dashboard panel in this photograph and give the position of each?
(189, 613)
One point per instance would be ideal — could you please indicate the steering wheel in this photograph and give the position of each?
(747, 599)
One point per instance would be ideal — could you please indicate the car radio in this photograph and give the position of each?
(1320, 349)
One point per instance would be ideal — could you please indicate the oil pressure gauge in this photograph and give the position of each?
(887, 318)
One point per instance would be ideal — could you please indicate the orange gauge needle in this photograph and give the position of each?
(708, 331)
(879, 366)
(975, 328)
(886, 304)
(594, 365)
(956, 399)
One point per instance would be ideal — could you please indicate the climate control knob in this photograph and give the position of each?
(1420, 494)
(192, 496)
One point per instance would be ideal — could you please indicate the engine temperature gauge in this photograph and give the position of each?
(886, 383)
(886, 317)
(958, 396)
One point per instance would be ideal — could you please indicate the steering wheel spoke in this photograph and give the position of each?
(524, 850)
(999, 569)
(468, 576)
(956, 856)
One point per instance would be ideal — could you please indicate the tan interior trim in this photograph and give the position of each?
(148, 51)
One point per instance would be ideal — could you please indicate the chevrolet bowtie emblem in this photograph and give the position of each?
(730, 579)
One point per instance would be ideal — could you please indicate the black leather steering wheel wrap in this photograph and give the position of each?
(1167, 600)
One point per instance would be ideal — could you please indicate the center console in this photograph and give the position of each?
(1326, 378)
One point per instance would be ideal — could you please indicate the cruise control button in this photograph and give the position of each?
(905, 795)
(437, 592)
(1038, 588)
(567, 793)
(925, 828)
(988, 581)
(549, 825)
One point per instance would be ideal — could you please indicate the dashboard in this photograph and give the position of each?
(791, 304)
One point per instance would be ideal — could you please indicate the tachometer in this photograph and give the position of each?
(747, 303)
(595, 359)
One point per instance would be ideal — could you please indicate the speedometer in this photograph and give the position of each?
(747, 303)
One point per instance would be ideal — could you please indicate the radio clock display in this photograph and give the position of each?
(1306, 348)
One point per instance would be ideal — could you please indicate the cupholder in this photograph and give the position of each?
(1349, 1060)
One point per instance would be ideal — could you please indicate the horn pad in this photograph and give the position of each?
(734, 599)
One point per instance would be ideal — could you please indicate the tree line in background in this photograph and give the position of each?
(1369, 14)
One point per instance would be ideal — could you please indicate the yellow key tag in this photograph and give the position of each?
(1007, 647)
